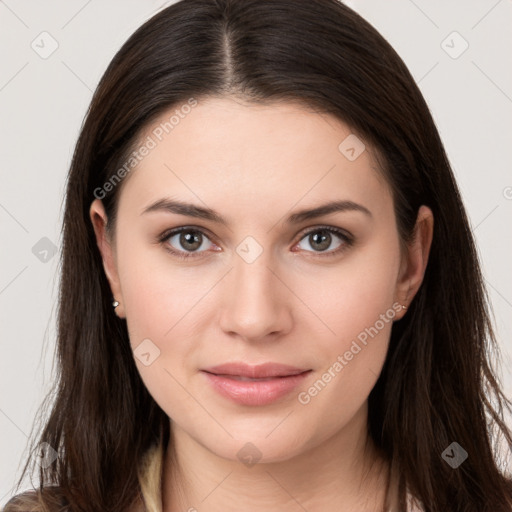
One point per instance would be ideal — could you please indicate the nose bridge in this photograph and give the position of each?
(253, 307)
(253, 279)
(252, 261)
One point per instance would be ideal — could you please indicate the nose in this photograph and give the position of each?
(255, 304)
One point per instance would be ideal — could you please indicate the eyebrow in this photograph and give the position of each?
(191, 210)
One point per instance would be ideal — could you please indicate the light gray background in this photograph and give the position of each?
(43, 101)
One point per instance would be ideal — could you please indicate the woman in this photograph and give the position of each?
(270, 295)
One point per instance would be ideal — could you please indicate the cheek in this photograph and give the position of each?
(352, 359)
(154, 292)
(356, 307)
(351, 296)
(159, 300)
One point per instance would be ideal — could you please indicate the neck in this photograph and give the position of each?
(342, 473)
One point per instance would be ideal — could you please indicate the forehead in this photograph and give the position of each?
(230, 152)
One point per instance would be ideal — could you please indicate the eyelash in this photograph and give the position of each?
(164, 238)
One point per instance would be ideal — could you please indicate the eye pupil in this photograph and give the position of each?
(191, 239)
(321, 239)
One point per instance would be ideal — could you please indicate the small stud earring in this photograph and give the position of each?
(115, 304)
(403, 307)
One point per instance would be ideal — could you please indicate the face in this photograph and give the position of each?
(315, 292)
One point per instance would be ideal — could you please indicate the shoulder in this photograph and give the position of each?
(26, 501)
(54, 501)
(31, 501)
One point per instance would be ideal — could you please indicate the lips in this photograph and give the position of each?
(247, 379)
(255, 385)
(266, 371)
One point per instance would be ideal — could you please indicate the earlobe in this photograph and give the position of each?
(99, 221)
(416, 257)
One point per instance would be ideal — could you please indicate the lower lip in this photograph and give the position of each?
(255, 392)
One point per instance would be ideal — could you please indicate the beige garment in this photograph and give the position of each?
(413, 505)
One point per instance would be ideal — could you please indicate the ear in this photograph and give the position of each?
(107, 250)
(415, 259)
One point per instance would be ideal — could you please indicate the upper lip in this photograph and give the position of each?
(255, 371)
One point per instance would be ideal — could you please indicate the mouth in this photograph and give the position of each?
(245, 371)
(255, 391)
(249, 379)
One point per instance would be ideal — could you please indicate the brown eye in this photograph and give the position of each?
(190, 240)
(321, 239)
(184, 242)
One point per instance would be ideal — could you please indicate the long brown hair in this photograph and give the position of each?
(437, 385)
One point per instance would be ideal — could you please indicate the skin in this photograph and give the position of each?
(255, 165)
